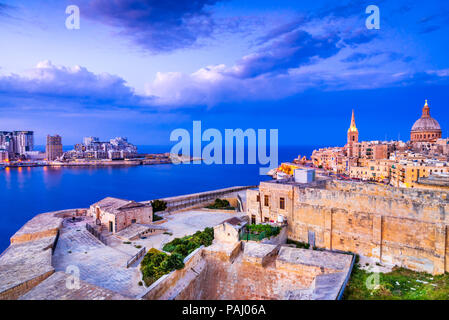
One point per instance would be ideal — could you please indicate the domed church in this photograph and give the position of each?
(426, 128)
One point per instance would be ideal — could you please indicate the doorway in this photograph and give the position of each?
(312, 239)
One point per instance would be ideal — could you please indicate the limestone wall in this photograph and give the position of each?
(401, 227)
(289, 273)
(28, 260)
(199, 199)
(167, 282)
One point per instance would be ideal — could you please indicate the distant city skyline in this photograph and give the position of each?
(143, 71)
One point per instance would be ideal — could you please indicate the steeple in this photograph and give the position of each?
(353, 133)
(353, 127)
(426, 111)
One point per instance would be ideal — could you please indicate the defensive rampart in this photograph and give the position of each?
(403, 227)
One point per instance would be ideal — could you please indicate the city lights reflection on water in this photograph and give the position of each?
(25, 192)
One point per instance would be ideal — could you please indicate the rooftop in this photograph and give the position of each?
(115, 205)
(435, 180)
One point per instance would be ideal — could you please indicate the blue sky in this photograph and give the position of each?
(143, 68)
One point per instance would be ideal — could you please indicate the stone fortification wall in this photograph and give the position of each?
(268, 272)
(28, 260)
(397, 226)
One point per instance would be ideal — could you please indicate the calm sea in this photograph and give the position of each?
(25, 192)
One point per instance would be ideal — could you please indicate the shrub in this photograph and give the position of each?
(172, 262)
(188, 244)
(221, 204)
(156, 263)
(264, 228)
(158, 205)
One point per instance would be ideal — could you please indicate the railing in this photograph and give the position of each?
(136, 257)
(96, 233)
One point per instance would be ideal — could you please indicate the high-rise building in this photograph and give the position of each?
(89, 140)
(17, 142)
(24, 141)
(54, 147)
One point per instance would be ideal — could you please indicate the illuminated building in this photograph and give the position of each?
(426, 128)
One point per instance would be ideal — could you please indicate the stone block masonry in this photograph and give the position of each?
(28, 260)
(403, 227)
(259, 272)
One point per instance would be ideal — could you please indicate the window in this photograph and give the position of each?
(258, 198)
(282, 203)
(253, 219)
(265, 200)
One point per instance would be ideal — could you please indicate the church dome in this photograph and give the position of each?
(426, 124)
(426, 128)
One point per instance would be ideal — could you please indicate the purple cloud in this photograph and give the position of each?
(47, 81)
(158, 26)
(290, 50)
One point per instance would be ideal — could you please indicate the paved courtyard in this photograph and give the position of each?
(98, 264)
(105, 266)
(179, 225)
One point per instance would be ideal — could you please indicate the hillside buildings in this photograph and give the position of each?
(398, 163)
(396, 226)
(93, 148)
(53, 148)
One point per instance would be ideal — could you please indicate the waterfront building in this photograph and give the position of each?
(24, 141)
(90, 140)
(16, 143)
(93, 148)
(117, 214)
(426, 128)
(4, 156)
(54, 147)
(36, 155)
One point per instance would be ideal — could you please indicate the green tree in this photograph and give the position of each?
(158, 205)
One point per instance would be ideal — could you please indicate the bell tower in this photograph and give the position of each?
(353, 133)
(426, 111)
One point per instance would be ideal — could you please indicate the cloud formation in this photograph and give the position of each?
(157, 26)
(47, 81)
(292, 57)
